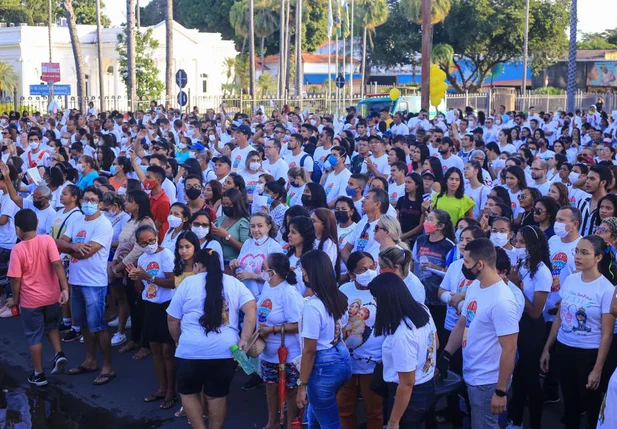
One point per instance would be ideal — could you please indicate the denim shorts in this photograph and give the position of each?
(39, 321)
(88, 307)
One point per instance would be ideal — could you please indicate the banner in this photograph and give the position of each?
(602, 73)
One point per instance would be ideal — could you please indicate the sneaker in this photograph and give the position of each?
(252, 383)
(7, 312)
(37, 380)
(128, 323)
(71, 336)
(63, 327)
(513, 426)
(59, 364)
(114, 323)
(118, 339)
(81, 340)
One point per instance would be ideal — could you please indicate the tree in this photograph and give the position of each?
(85, 10)
(267, 16)
(550, 21)
(412, 9)
(99, 51)
(370, 15)
(604, 40)
(169, 50)
(265, 84)
(77, 54)
(148, 85)
(8, 77)
(571, 83)
(252, 49)
(239, 20)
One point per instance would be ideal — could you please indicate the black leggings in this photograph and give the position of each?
(136, 305)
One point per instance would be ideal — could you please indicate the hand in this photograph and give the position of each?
(392, 426)
(64, 297)
(593, 380)
(138, 273)
(4, 169)
(426, 205)
(219, 232)
(10, 303)
(544, 361)
(265, 332)
(82, 248)
(369, 164)
(247, 275)
(443, 364)
(301, 397)
(243, 344)
(456, 298)
(233, 264)
(498, 404)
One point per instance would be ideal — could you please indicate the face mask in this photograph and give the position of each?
(270, 199)
(457, 235)
(45, 140)
(521, 253)
(192, 193)
(573, 177)
(341, 217)
(313, 122)
(366, 277)
(113, 169)
(560, 229)
(264, 276)
(259, 188)
(261, 240)
(89, 209)
(468, 272)
(122, 191)
(351, 192)
(38, 204)
(80, 168)
(150, 249)
(124, 140)
(200, 231)
(254, 166)
(499, 239)
(212, 137)
(533, 152)
(34, 146)
(65, 142)
(228, 211)
(306, 200)
(332, 160)
(149, 184)
(430, 227)
(181, 146)
(189, 133)
(174, 221)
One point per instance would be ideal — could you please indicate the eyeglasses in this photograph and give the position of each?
(603, 230)
(201, 225)
(539, 211)
(522, 196)
(576, 252)
(198, 187)
(90, 200)
(377, 228)
(156, 148)
(141, 244)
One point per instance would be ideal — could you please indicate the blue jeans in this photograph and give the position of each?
(331, 370)
(88, 307)
(480, 400)
(421, 400)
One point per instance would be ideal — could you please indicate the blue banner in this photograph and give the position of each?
(43, 90)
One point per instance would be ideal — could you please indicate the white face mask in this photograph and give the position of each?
(174, 221)
(124, 140)
(45, 140)
(190, 132)
(521, 253)
(499, 239)
(181, 146)
(65, 142)
(560, 229)
(254, 166)
(313, 122)
(200, 231)
(261, 240)
(122, 191)
(366, 277)
(573, 177)
(265, 276)
(150, 249)
(34, 146)
(212, 137)
(80, 168)
(259, 188)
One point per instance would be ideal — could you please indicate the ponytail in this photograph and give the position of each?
(212, 318)
(279, 263)
(607, 265)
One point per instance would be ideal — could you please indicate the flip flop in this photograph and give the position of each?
(105, 377)
(180, 412)
(81, 370)
(136, 356)
(168, 403)
(155, 397)
(128, 347)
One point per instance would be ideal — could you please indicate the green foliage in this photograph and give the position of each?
(85, 11)
(148, 84)
(8, 77)
(314, 25)
(548, 19)
(604, 40)
(15, 13)
(206, 15)
(412, 9)
(549, 90)
(266, 83)
(154, 12)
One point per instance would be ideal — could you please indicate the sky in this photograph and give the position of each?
(594, 16)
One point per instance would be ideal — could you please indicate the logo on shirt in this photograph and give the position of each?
(250, 186)
(252, 263)
(80, 237)
(430, 353)
(472, 309)
(558, 262)
(356, 332)
(237, 161)
(152, 269)
(265, 308)
(329, 188)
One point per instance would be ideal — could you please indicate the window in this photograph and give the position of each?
(204, 85)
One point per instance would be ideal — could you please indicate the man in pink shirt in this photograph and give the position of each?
(39, 287)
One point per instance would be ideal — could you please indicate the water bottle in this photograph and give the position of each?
(242, 359)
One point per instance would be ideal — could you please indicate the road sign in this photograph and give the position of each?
(44, 90)
(182, 98)
(181, 78)
(340, 81)
(50, 72)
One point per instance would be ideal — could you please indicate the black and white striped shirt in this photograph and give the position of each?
(588, 216)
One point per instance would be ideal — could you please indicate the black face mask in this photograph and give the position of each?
(306, 200)
(38, 204)
(192, 193)
(468, 273)
(341, 217)
(228, 211)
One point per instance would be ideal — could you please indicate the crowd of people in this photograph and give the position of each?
(383, 252)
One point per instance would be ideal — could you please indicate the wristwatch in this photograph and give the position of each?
(152, 279)
(228, 237)
(300, 383)
(500, 393)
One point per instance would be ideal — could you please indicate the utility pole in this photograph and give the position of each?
(49, 24)
(525, 47)
(426, 54)
(99, 50)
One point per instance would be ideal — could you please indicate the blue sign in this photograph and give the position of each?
(181, 78)
(182, 98)
(340, 81)
(43, 90)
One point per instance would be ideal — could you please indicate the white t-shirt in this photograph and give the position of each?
(330, 248)
(363, 238)
(381, 164)
(157, 265)
(320, 155)
(187, 305)
(216, 246)
(401, 129)
(452, 161)
(252, 258)
(479, 196)
(519, 297)
(358, 333)
(238, 157)
(294, 196)
(516, 207)
(278, 169)
(74, 215)
(415, 287)
(169, 241)
(8, 236)
(455, 282)
(607, 419)
(250, 179)
(170, 190)
(541, 282)
(91, 271)
(117, 223)
(410, 350)
(395, 192)
(490, 313)
(294, 265)
(562, 261)
(296, 161)
(277, 306)
(581, 310)
(335, 184)
(317, 324)
(543, 188)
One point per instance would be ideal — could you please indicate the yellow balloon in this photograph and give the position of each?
(435, 101)
(442, 87)
(395, 93)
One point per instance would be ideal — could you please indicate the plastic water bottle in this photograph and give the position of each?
(242, 359)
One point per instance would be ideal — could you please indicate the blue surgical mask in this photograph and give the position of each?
(113, 169)
(457, 234)
(270, 198)
(332, 160)
(89, 209)
(351, 192)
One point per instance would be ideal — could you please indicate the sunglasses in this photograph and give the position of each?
(377, 228)
(538, 211)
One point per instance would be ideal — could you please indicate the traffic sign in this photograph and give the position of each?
(50, 72)
(43, 90)
(182, 98)
(340, 81)
(181, 78)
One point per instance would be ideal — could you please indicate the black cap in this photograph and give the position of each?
(351, 108)
(162, 143)
(244, 129)
(222, 158)
(428, 173)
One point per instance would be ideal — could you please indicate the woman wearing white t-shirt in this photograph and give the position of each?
(278, 310)
(325, 364)
(201, 225)
(204, 327)
(298, 178)
(409, 351)
(326, 235)
(154, 274)
(251, 173)
(249, 265)
(179, 221)
(515, 182)
(346, 217)
(583, 329)
(608, 411)
(474, 187)
(534, 278)
(301, 240)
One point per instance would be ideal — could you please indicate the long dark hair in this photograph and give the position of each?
(186, 212)
(279, 263)
(212, 319)
(178, 261)
(436, 168)
(395, 305)
(238, 203)
(318, 196)
(606, 266)
(208, 237)
(612, 198)
(291, 213)
(517, 172)
(476, 165)
(356, 216)
(217, 191)
(460, 191)
(140, 198)
(326, 216)
(419, 186)
(304, 225)
(424, 154)
(323, 283)
(537, 248)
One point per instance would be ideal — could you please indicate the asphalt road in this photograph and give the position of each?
(73, 402)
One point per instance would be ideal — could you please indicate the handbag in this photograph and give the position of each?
(256, 346)
(378, 384)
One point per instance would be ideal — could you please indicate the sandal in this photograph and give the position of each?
(81, 370)
(180, 412)
(155, 396)
(103, 379)
(168, 403)
(129, 347)
(142, 355)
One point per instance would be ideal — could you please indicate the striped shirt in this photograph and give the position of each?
(588, 216)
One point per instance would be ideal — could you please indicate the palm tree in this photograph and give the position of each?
(239, 20)
(69, 13)
(281, 74)
(169, 50)
(265, 83)
(99, 51)
(252, 51)
(130, 53)
(370, 14)
(571, 86)
(8, 78)
(299, 75)
(412, 9)
(267, 19)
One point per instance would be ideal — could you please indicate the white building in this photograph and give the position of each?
(201, 55)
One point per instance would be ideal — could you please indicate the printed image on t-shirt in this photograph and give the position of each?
(574, 314)
(472, 309)
(363, 239)
(559, 262)
(265, 308)
(250, 186)
(79, 238)
(430, 353)
(356, 332)
(225, 312)
(329, 188)
(236, 161)
(152, 269)
(252, 263)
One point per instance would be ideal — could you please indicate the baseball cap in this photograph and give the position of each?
(162, 143)
(222, 158)
(428, 173)
(244, 129)
(197, 146)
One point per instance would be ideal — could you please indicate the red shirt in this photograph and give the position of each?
(159, 205)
